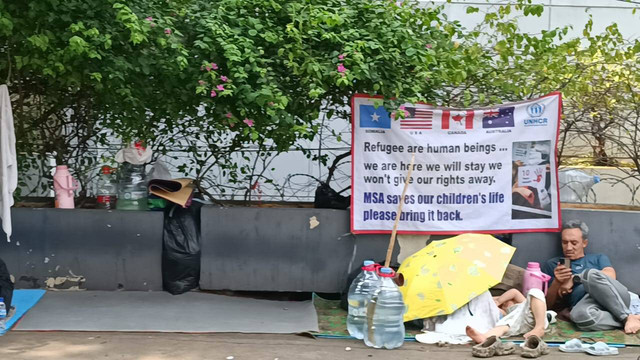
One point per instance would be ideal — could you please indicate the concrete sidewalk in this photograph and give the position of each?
(172, 346)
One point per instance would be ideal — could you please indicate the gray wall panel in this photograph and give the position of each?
(117, 249)
(274, 249)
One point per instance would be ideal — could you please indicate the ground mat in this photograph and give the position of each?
(332, 323)
(192, 312)
(23, 300)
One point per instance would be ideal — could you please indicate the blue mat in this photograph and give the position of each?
(23, 300)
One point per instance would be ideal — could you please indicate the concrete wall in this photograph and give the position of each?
(110, 249)
(254, 249)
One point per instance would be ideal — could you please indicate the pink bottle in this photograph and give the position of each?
(534, 278)
(64, 185)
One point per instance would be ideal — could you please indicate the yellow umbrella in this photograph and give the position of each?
(449, 273)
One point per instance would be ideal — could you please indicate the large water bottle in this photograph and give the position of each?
(575, 185)
(385, 325)
(360, 292)
(132, 188)
(3, 314)
(106, 189)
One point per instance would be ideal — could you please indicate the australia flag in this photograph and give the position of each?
(372, 117)
(498, 118)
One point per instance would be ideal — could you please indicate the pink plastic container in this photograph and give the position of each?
(64, 185)
(534, 278)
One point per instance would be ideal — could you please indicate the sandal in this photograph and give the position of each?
(534, 347)
(601, 348)
(492, 347)
(573, 346)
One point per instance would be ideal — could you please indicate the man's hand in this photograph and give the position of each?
(563, 274)
(565, 288)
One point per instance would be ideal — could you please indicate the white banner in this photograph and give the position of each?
(489, 170)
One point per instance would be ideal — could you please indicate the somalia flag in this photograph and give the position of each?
(372, 117)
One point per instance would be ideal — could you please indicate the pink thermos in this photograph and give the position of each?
(534, 278)
(64, 185)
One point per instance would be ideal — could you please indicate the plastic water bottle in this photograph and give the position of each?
(3, 313)
(106, 189)
(360, 292)
(575, 185)
(385, 325)
(132, 188)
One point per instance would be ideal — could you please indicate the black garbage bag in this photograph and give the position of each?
(181, 248)
(327, 198)
(6, 286)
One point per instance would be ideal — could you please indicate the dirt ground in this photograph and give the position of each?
(171, 346)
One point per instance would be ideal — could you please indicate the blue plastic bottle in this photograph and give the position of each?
(385, 325)
(3, 313)
(360, 292)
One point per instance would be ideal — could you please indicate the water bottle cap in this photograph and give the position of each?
(368, 262)
(62, 167)
(386, 272)
(106, 170)
(596, 179)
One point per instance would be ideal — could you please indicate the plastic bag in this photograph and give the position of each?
(6, 285)
(181, 249)
(135, 154)
(159, 171)
(327, 198)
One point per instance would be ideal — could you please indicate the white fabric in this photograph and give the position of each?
(430, 337)
(133, 155)
(520, 318)
(635, 303)
(8, 161)
(481, 313)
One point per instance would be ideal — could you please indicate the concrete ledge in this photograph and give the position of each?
(111, 249)
(274, 249)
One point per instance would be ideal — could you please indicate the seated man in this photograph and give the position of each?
(598, 300)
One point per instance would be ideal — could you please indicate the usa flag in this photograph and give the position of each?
(418, 119)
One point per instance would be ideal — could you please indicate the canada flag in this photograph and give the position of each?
(452, 119)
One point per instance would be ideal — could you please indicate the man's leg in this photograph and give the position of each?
(539, 311)
(480, 337)
(606, 305)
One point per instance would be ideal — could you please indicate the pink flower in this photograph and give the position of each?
(167, 31)
(208, 68)
(249, 122)
(201, 82)
(229, 115)
(232, 125)
(224, 78)
(402, 107)
(341, 68)
(202, 68)
(152, 24)
(220, 87)
(213, 93)
(406, 113)
(428, 46)
(214, 66)
(149, 18)
(341, 56)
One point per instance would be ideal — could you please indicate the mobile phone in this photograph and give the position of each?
(566, 262)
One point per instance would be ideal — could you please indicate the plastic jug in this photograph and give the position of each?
(359, 295)
(385, 311)
(534, 278)
(575, 185)
(64, 185)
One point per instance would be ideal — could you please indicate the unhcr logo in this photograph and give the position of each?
(535, 110)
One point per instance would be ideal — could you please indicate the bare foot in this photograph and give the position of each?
(632, 325)
(475, 335)
(536, 331)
